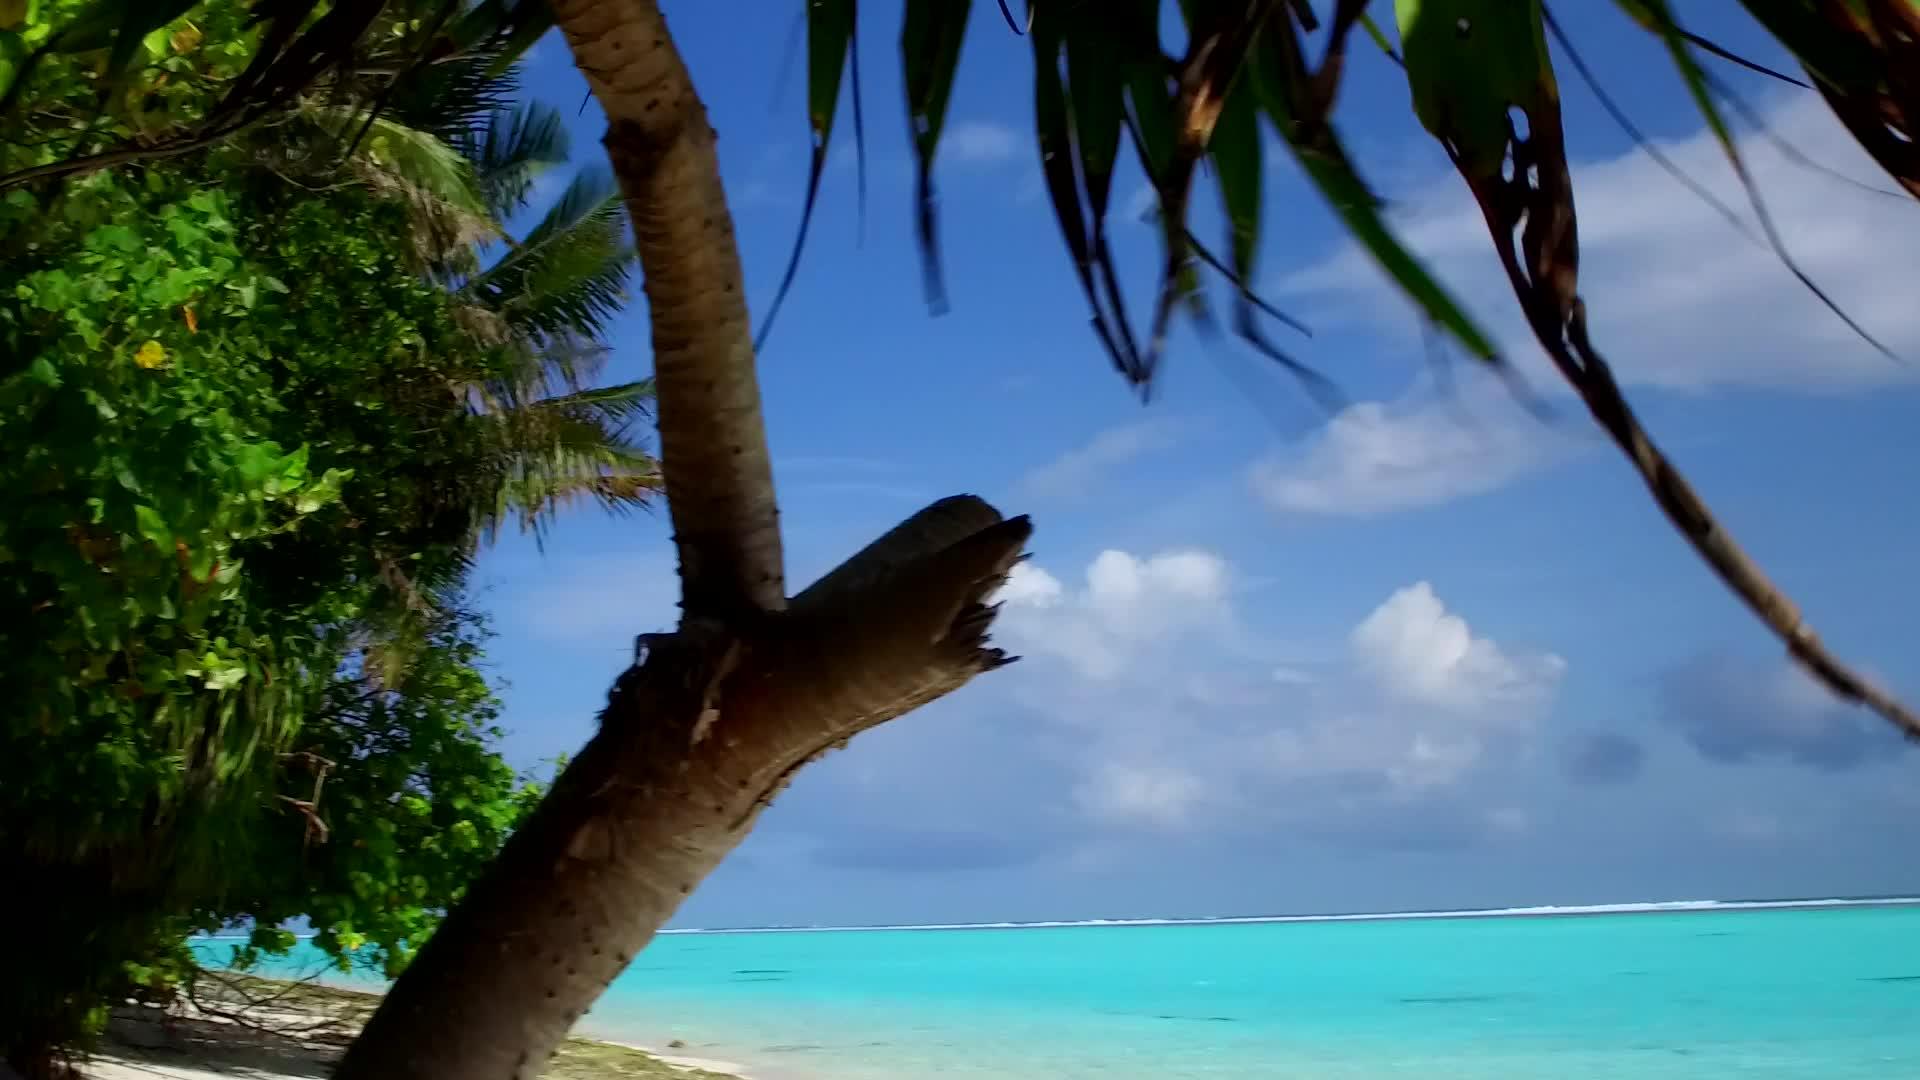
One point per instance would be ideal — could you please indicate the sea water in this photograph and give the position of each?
(1829, 993)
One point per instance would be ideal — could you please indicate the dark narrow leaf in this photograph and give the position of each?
(829, 40)
(1789, 151)
(1705, 45)
(1277, 71)
(1096, 104)
(1664, 24)
(531, 19)
(1238, 168)
(1220, 266)
(1829, 55)
(1012, 24)
(1855, 76)
(1151, 102)
(1333, 62)
(930, 38)
(1461, 84)
(1379, 37)
(1221, 38)
(1612, 109)
(1053, 128)
(859, 126)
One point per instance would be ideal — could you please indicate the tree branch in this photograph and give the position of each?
(713, 447)
(693, 744)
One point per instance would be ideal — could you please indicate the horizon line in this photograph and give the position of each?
(1651, 907)
(1638, 908)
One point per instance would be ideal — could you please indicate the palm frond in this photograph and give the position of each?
(552, 453)
(569, 276)
(511, 150)
(438, 183)
(458, 97)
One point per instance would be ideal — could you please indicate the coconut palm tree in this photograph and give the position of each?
(718, 716)
(452, 141)
(617, 844)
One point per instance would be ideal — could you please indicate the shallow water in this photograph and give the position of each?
(1803, 994)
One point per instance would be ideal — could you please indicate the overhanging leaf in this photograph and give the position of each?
(1659, 17)
(930, 38)
(830, 33)
(1238, 167)
(1275, 69)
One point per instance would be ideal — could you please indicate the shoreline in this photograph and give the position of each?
(275, 1029)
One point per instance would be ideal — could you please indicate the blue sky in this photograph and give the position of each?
(1427, 652)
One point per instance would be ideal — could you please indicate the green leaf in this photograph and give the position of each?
(1318, 150)
(830, 43)
(323, 491)
(200, 561)
(153, 527)
(1468, 62)
(569, 276)
(513, 150)
(415, 158)
(930, 38)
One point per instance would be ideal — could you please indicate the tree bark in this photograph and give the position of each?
(698, 737)
(713, 444)
(693, 743)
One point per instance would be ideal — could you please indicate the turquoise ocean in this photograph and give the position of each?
(1829, 992)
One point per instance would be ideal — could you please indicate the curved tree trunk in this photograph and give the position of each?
(701, 734)
(692, 744)
(713, 443)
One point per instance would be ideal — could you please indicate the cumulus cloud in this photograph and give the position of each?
(1183, 721)
(1424, 653)
(1678, 298)
(1127, 605)
(1602, 757)
(1374, 457)
(1733, 712)
(1141, 793)
(1073, 473)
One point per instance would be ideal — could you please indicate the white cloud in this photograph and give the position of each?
(979, 142)
(1029, 586)
(1073, 473)
(1424, 653)
(1177, 718)
(1140, 794)
(1677, 297)
(1374, 458)
(1127, 605)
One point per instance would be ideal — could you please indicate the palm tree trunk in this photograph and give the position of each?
(699, 737)
(693, 743)
(712, 439)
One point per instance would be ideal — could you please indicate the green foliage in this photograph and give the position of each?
(414, 797)
(149, 452)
